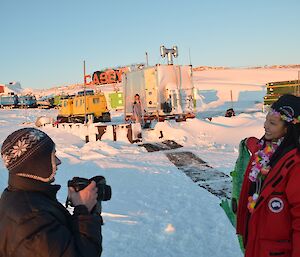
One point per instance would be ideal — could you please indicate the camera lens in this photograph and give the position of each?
(104, 192)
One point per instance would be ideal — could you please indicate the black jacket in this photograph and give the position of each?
(34, 223)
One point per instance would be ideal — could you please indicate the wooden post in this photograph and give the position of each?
(114, 132)
(129, 133)
(101, 132)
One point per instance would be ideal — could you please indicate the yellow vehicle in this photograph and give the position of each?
(73, 108)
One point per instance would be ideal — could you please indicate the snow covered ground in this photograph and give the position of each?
(247, 86)
(156, 210)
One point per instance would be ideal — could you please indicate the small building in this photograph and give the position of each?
(2, 87)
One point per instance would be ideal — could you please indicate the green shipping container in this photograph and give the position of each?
(277, 89)
(116, 100)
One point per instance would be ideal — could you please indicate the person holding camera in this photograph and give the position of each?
(32, 221)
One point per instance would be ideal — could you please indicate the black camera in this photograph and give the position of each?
(104, 191)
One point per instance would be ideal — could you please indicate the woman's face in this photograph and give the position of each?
(274, 127)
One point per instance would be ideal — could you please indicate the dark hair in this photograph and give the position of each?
(289, 106)
(137, 95)
(290, 141)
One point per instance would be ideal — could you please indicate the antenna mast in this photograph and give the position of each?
(170, 53)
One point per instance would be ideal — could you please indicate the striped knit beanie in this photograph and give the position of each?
(27, 153)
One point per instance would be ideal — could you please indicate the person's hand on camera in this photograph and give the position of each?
(87, 196)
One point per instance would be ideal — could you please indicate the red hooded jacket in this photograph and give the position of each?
(273, 229)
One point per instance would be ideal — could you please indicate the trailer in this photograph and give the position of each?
(45, 103)
(166, 92)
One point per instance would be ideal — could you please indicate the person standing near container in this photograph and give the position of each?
(137, 110)
(268, 217)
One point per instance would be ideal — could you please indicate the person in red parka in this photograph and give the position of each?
(268, 217)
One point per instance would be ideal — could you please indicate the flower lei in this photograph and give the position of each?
(260, 167)
(285, 115)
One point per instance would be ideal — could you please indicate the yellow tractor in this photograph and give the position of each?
(83, 107)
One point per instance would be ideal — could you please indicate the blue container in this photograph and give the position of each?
(9, 101)
(27, 101)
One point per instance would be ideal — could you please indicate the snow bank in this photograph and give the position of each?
(204, 132)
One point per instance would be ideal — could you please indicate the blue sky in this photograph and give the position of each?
(44, 42)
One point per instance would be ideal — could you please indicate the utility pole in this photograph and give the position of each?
(84, 92)
(190, 56)
(147, 62)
